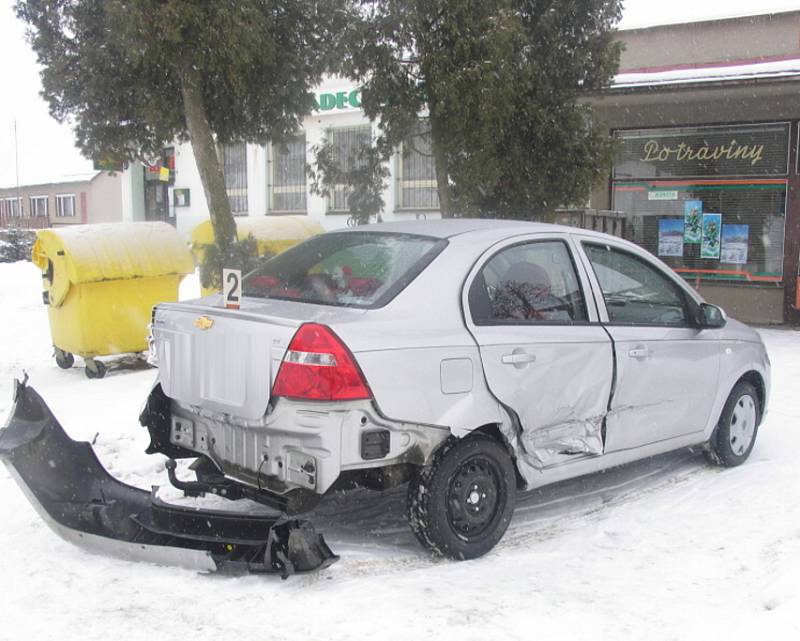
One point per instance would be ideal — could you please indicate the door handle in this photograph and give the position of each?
(639, 352)
(518, 358)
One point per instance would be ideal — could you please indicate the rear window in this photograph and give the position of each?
(353, 269)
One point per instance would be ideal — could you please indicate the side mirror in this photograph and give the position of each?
(711, 317)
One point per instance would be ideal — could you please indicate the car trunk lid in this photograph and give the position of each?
(225, 360)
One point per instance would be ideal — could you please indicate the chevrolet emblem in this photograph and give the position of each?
(203, 322)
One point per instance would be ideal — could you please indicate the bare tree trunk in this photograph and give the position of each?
(205, 155)
(440, 161)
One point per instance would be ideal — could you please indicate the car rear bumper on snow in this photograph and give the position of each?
(85, 505)
(299, 445)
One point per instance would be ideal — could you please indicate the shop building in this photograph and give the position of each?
(707, 177)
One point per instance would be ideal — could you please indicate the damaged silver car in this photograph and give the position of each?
(468, 358)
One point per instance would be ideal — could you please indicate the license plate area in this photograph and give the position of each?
(185, 433)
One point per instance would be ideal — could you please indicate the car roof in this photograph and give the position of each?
(449, 227)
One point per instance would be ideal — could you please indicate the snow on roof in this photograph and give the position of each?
(643, 14)
(759, 70)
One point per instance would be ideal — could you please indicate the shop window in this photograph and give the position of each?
(234, 168)
(416, 175)
(65, 205)
(346, 145)
(38, 206)
(287, 175)
(709, 201)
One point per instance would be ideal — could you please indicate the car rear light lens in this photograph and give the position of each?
(318, 366)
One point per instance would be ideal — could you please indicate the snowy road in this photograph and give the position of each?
(668, 548)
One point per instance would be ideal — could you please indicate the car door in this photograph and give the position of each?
(545, 355)
(666, 369)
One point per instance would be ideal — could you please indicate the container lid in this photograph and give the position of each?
(110, 251)
(278, 228)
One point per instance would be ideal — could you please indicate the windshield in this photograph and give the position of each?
(354, 269)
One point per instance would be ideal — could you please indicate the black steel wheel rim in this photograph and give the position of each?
(473, 498)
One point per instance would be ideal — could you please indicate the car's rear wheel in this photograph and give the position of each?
(460, 505)
(736, 431)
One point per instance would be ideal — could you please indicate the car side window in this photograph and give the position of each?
(635, 292)
(531, 282)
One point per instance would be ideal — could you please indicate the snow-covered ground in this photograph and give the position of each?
(668, 548)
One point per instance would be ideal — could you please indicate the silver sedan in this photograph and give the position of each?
(469, 359)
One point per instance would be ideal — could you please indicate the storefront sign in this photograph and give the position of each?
(655, 151)
(339, 100)
(693, 152)
(662, 194)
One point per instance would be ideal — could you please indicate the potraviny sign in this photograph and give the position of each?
(704, 152)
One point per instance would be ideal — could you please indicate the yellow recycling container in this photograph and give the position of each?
(101, 282)
(273, 234)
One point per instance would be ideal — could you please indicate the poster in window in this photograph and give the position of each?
(712, 228)
(735, 239)
(692, 221)
(670, 237)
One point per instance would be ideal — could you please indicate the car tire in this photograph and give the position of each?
(459, 506)
(736, 431)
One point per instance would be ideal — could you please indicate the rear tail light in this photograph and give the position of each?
(318, 366)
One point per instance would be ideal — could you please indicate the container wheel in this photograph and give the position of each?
(64, 360)
(94, 369)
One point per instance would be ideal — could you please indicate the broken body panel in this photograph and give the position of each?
(83, 504)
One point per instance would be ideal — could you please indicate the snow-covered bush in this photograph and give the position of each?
(16, 244)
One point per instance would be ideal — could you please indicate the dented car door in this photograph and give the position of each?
(666, 369)
(545, 356)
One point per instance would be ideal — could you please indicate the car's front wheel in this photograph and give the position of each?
(736, 431)
(460, 504)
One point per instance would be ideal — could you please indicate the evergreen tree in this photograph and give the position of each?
(136, 75)
(497, 84)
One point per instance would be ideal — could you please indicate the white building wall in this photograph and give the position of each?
(187, 177)
(333, 91)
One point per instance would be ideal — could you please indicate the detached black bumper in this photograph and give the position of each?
(85, 505)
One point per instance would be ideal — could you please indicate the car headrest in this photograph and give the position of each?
(530, 273)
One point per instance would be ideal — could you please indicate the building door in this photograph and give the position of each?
(158, 178)
(156, 200)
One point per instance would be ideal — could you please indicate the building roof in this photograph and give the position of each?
(779, 69)
(56, 180)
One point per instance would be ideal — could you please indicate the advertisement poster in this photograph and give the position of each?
(692, 221)
(735, 239)
(670, 237)
(712, 229)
